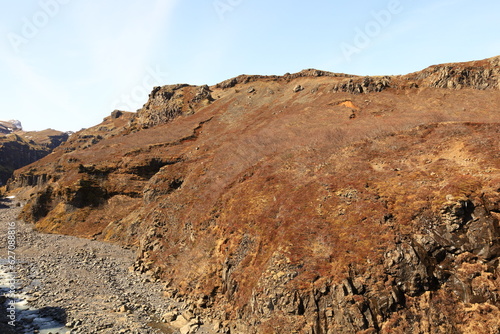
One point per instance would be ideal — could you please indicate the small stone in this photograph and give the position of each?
(188, 315)
(179, 322)
(169, 316)
(189, 328)
(298, 88)
(202, 302)
(116, 114)
(185, 330)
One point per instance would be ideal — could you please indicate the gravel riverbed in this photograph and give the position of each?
(71, 285)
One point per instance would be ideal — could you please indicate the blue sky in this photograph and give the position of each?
(66, 64)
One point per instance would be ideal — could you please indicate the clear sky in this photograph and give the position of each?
(67, 64)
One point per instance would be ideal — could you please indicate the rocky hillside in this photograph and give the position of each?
(312, 202)
(7, 127)
(20, 148)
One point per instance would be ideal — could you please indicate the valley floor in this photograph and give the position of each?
(83, 284)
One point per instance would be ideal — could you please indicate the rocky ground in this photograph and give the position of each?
(83, 284)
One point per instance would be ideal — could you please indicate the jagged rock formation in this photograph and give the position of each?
(483, 74)
(19, 148)
(312, 202)
(168, 102)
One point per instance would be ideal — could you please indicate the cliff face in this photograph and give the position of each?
(19, 148)
(313, 202)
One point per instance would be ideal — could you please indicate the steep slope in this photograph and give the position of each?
(20, 148)
(312, 202)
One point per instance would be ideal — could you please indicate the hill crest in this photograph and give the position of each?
(312, 202)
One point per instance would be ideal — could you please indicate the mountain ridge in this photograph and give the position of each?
(312, 202)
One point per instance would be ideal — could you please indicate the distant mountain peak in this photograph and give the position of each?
(10, 126)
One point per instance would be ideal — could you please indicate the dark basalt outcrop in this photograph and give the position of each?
(306, 203)
(168, 102)
(19, 148)
(483, 74)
